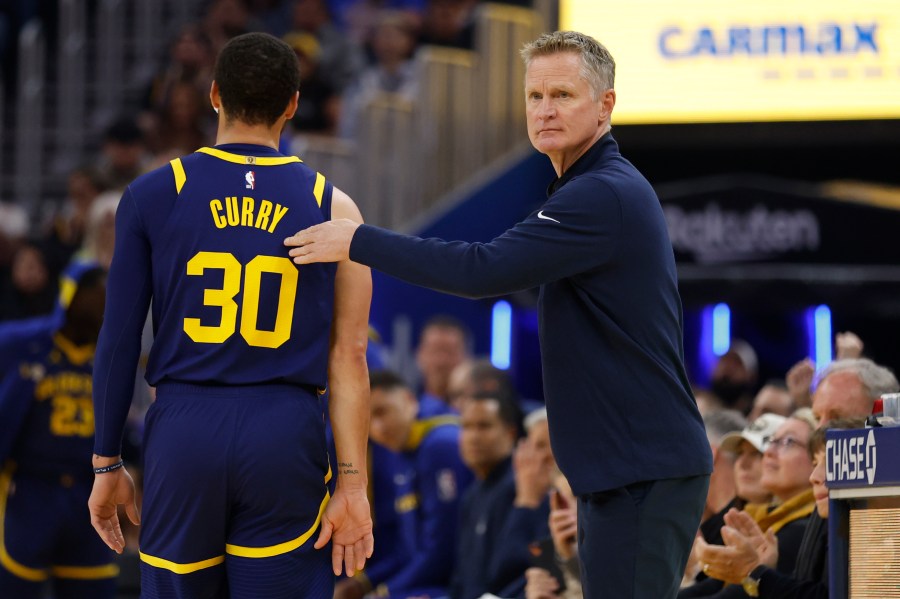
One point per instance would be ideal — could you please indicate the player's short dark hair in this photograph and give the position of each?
(509, 412)
(257, 75)
(386, 380)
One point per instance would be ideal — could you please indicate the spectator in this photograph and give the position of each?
(449, 23)
(443, 345)
(752, 555)
(849, 388)
(534, 470)
(773, 398)
(393, 42)
(706, 400)
(563, 523)
(800, 377)
(100, 233)
(66, 230)
(340, 61)
(190, 60)
(180, 125)
(786, 469)
(489, 431)
(439, 477)
(224, 20)
(124, 154)
(31, 290)
(319, 105)
(734, 376)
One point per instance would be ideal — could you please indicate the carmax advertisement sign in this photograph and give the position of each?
(705, 61)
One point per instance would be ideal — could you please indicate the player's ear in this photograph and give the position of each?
(292, 106)
(214, 97)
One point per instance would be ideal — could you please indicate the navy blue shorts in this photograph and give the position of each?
(46, 537)
(235, 483)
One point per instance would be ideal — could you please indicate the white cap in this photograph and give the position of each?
(756, 433)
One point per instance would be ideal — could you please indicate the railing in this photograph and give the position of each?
(28, 157)
(469, 112)
(71, 103)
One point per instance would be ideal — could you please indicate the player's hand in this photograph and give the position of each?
(110, 490)
(347, 523)
(327, 242)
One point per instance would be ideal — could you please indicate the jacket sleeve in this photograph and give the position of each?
(576, 230)
(128, 292)
(522, 527)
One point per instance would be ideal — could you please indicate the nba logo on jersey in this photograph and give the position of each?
(251, 180)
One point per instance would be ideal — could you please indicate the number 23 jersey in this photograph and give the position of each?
(229, 306)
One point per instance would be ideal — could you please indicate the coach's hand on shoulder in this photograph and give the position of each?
(347, 523)
(112, 489)
(327, 242)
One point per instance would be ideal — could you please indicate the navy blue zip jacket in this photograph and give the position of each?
(619, 402)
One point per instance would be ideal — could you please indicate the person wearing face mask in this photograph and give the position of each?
(734, 376)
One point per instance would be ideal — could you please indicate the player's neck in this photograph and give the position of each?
(241, 133)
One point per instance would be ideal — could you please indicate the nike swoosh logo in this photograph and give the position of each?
(543, 216)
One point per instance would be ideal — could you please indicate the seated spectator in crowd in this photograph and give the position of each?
(799, 379)
(339, 59)
(443, 345)
(449, 23)
(534, 470)
(848, 389)
(319, 106)
(480, 377)
(393, 43)
(100, 233)
(189, 60)
(563, 523)
(438, 479)
(225, 19)
(751, 555)
(786, 469)
(182, 123)
(706, 400)
(490, 427)
(65, 228)
(734, 376)
(357, 18)
(31, 289)
(124, 155)
(773, 398)
(737, 470)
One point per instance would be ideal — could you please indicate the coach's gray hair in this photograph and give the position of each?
(875, 379)
(597, 65)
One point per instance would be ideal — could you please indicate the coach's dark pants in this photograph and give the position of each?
(634, 541)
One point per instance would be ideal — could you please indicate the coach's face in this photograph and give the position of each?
(564, 119)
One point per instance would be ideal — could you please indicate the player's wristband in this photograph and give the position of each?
(110, 468)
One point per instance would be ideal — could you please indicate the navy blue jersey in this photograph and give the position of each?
(229, 306)
(57, 434)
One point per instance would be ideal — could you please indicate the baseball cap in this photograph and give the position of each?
(755, 433)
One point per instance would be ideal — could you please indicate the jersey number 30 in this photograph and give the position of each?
(231, 286)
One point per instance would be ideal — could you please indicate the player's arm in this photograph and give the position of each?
(128, 292)
(347, 520)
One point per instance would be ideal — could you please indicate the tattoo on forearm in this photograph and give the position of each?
(347, 468)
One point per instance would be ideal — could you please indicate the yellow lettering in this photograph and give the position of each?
(247, 212)
(280, 211)
(215, 207)
(262, 220)
(231, 209)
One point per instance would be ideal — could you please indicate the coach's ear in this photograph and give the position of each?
(214, 98)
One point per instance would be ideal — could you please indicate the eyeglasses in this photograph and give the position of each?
(782, 443)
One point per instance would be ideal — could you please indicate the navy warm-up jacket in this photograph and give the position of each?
(619, 402)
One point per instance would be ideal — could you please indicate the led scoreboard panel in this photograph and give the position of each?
(708, 61)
